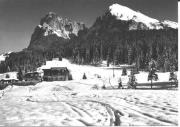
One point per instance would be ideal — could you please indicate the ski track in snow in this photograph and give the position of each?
(64, 105)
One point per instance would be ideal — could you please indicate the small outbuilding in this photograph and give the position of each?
(9, 77)
(31, 76)
(56, 74)
(55, 70)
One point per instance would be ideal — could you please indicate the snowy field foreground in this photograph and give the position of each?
(84, 102)
(73, 103)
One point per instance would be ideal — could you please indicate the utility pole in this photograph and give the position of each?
(113, 68)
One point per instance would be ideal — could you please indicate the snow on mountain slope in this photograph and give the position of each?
(170, 24)
(3, 56)
(126, 14)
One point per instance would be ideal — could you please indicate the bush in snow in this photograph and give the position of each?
(103, 87)
(172, 76)
(7, 76)
(84, 76)
(95, 87)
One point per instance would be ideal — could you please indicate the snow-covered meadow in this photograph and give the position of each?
(106, 74)
(83, 102)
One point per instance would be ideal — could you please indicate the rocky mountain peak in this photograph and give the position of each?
(51, 23)
(53, 28)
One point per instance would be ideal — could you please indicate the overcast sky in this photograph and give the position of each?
(18, 18)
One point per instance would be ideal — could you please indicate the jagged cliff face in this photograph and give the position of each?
(53, 24)
(54, 28)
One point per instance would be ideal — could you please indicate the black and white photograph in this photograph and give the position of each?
(89, 63)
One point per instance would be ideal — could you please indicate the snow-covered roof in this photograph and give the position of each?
(12, 75)
(53, 63)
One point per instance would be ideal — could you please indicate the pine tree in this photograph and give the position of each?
(152, 71)
(130, 55)
(20, 75)
(160, 62)
(166, 65)
(84, 76)
(96, 55)
(108, 57)
(132, 80)
(117, 55)
(101, 52)
(87, 58)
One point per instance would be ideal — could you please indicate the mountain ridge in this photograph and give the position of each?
(54, 28)
(126, 14)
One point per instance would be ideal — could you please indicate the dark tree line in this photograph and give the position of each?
(138, 47)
